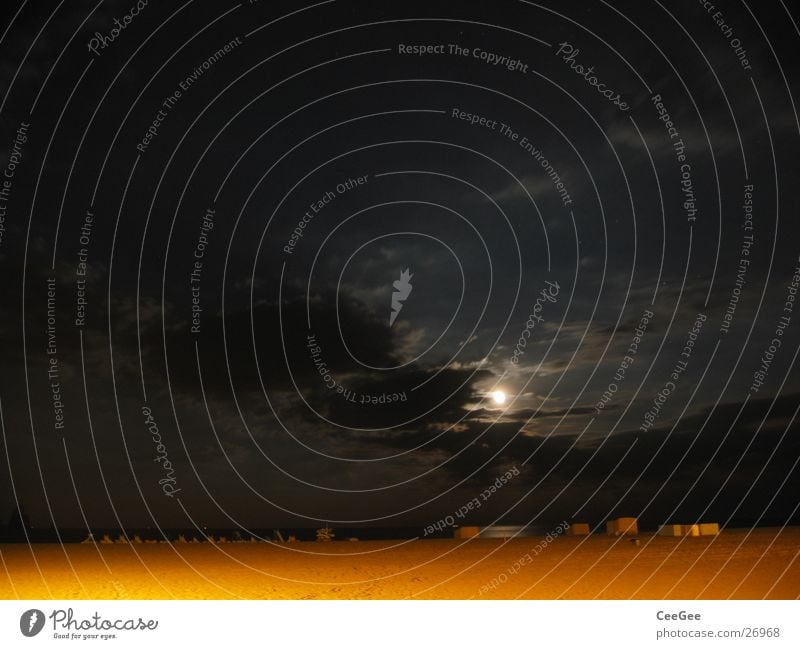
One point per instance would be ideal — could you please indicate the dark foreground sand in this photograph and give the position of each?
(736, 564)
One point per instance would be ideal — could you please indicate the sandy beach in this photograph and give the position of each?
(739, 564)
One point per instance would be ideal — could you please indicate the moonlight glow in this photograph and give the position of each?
(499, 397)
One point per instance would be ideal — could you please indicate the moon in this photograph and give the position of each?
(499, 397)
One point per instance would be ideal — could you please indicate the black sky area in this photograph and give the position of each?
(290, 400)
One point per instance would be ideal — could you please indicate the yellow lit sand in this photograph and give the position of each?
(737, 563)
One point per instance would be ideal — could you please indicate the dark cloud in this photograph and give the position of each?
(475, 216)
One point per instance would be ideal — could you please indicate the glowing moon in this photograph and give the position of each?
(499, 397)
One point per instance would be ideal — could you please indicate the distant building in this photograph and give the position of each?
(709, 529)
(692, 529)
(466, 532)
(621, 526)
(510, 531)
(579, 529)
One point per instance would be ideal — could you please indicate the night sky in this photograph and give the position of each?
(204, 216)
